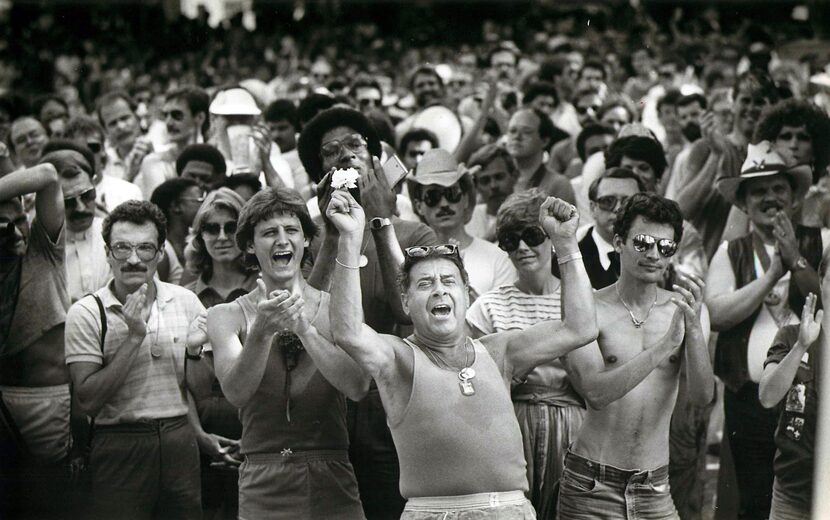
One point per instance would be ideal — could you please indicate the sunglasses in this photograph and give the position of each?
(425, 251)
(532, 236)
(665, 246)
(366, 102)
(331, 150)
(124, 250)
(86, 198)
(610, 202)
(94, 146)
(433, 197)
(213, 228)
(584, 110)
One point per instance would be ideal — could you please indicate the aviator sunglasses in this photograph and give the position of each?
(610, 202)
(213, 228)
(532, 236)
(665, 246)
(433, 197)
(425, 251)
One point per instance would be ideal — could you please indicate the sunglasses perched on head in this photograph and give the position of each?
(425, 251)
(665, 246)
(432, 197)
(213, 228)
(610, 202)
(86, 198)
(532, 236)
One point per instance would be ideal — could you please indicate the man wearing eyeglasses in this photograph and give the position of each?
(86, 263)
(447, 396)
(367, 94)
(35, 397)
(618, 466)
(127, 373)
(444, 196)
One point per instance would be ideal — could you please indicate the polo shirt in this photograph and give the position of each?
(154, 387)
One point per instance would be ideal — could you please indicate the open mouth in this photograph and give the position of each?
(441, 310)
(282, 257)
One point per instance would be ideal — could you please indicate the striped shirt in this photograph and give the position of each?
(154, 387)
(507, 308)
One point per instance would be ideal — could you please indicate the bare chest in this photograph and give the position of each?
(620, 339)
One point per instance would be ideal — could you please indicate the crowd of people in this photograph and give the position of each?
(516, 279)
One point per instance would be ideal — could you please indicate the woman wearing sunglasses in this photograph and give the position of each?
(222, 276)
(548, 408)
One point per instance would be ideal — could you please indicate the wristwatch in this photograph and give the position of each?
(800, 264)
(194, 357)
(379, 223)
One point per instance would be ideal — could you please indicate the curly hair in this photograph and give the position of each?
(653, 208)
(266, 204)
(520, 209)
(639, 148)
(137, 212)
(795, 112)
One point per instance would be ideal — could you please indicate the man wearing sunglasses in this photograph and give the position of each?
(446, 396)
(618, 466)
(129, 376)
(86, 263)
(443, 195)
(34, 385)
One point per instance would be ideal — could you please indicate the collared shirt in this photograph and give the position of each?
(603, 248)
(210, 296)
(87, 269)
(154, 386)
(116, 167)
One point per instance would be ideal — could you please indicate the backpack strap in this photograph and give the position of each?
(103, 315)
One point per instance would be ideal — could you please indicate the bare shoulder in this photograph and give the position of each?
(226, 315)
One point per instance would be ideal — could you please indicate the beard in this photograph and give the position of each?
(691, 132)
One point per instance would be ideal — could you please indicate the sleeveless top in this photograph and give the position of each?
(451, 444)
(317, 410)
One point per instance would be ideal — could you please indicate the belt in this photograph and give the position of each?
(142, 425)
(474, 501)
(288, 455)
(612, 474)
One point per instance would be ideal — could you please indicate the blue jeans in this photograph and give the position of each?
(592, 491)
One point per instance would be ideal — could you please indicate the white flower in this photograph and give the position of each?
(344, 179)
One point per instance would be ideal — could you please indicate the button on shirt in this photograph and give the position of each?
(154, 386)
(87, 269)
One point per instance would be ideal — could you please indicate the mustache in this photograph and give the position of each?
(133, 269)
(767, 205)
(78, 215)
(445, 212)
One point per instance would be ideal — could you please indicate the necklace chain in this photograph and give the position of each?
(637, 323)
(440, 363)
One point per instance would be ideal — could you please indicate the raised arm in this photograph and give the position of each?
(702, 168)
(778, 376)
(41, 179)
(600, 385)
(349, 331)
(728, 306)
(549, 340)
(321, 273)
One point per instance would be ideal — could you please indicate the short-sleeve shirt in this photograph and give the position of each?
(43, 297)
(154, 386)
(487, 265)
(796, 433)
(508, 308)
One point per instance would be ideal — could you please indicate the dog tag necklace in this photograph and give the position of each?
(465, 375)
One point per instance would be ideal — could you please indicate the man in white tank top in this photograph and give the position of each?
(446, 396)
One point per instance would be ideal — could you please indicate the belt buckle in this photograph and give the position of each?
(494, 499)
(286, 452)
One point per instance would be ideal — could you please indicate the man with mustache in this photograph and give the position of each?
(185, 114)
(86, 262)
(495, 176)
(27, 138)
(443, 195)
(756, 285)
(125, 348)
(34, 384)
(126, 146)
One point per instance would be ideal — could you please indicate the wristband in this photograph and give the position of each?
(569, 258)
(194, 357)
(344, 265)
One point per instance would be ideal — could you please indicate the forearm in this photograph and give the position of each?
(321, 273)
(271, 176)
(99, 387)
(346, 307)
(193, 418)
(700, 378)
(30, 180)
(776, 381)
(242, 379)
(807, 280)
(730, 308)
(390, 260)
(690, 197)
(578, 310)
(337, 367)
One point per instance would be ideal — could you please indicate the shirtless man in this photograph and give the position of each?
(618, 466)
(446, 396)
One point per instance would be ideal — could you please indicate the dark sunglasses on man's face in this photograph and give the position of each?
(94, 146)
(213, 228)
(610, 202)
(532, 236)
(665, 246)
(86, 198)
(433, 197)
